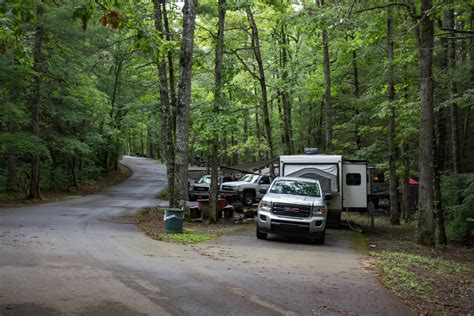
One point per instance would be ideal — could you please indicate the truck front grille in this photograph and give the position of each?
(201, 189)
(291, 210)
(227, 188)
(289, 227)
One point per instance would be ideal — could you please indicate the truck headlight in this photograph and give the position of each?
(319, 210)
(265, 206)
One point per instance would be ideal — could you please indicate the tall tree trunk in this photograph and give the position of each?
(166, 120)
(355, 70)
(438, 167)
(285, 95)
(394, 210)
(246, 135)
(327, 91)
(34, 190)
(213, 191)
(327, 85)
(259, 134)
(115, 115)
(406, 178)
(184, 99)
(263, 85)
(452, 93)
(72, 168)
(150, 153)
(320, 125)
(172, 82)
(440, 139)
(425, 40)
(12, 183)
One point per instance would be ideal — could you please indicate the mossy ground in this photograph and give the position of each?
(432, 281)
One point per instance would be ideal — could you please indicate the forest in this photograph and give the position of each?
(223, 82)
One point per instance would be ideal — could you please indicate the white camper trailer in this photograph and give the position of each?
(345, 180)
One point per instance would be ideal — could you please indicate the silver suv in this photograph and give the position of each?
(293, 207)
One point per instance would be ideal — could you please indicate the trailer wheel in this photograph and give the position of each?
(261, 235)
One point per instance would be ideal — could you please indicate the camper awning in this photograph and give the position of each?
(249, 167)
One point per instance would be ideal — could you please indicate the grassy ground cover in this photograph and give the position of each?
(152, 224)
(430, 280)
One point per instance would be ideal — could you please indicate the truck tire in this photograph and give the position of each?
(261, 235)
(321, 239)
(248, 198)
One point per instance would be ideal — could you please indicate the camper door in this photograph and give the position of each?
(354, 185)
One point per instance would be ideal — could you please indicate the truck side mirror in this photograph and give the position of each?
(327, 196)
(263, 190)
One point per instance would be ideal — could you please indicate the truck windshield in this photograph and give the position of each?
(295, 187)
(249, 178)
(205, 180)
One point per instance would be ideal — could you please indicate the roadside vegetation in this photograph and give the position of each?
(432, 281)
(152, 224)
(164, 194)
(59, 194)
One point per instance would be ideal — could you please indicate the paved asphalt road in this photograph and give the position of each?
(84, 256)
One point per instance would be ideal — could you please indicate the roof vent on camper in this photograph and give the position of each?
(311, 151)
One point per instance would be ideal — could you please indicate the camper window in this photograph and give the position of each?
(353, 179)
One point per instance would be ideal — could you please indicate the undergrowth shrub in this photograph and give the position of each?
(458, 202)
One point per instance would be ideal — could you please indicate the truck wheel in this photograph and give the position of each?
(248, 198)
(321, 239)
(261, 235)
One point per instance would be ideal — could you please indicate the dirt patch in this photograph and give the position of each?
(430, 280)
(151, 222)
(19, 199)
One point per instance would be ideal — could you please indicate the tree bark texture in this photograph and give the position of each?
(184, 100)
(452, 93)
(285, 94)
(259, 132)
(406, 177)
(425, 205)
(150, 152)
(262, 81)
(440, 136)
(166, 121)
(12, 182)
(213, 191)
(327, 91)
(394, 210)
(246, 134)
(355, 70)
(34, 189)
(172, 79)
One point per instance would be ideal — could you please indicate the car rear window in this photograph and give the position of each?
(296, 188)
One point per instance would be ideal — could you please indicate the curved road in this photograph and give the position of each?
(85, 256)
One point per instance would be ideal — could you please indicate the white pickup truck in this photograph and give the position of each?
(248, 190)
(293, 207)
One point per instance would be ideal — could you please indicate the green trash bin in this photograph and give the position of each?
(174, 218)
